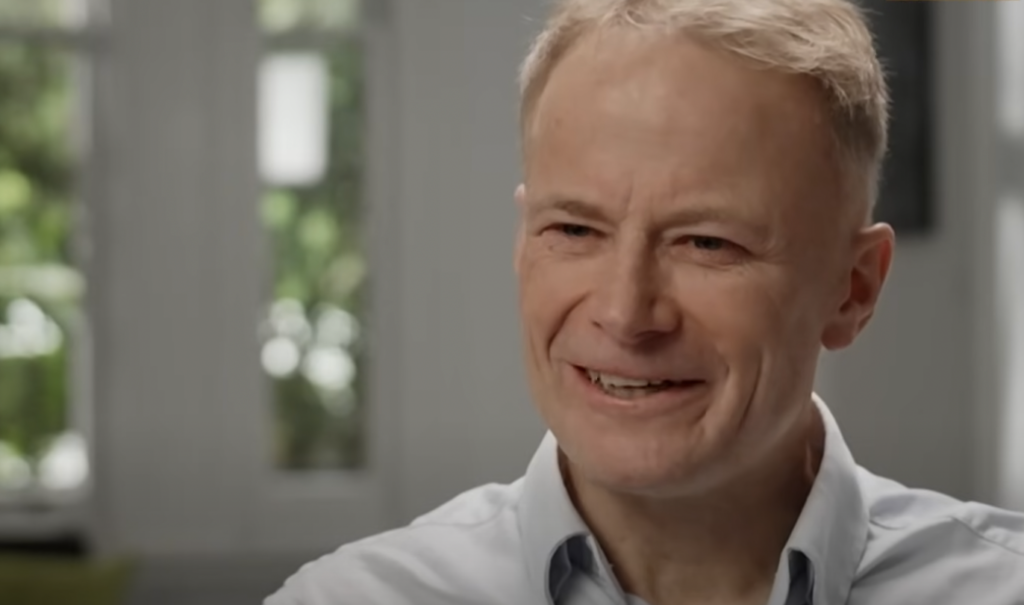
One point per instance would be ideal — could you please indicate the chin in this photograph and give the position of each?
(653, 461)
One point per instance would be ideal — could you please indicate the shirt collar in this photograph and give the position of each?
(547, 519)
(831, 532)
(832, 529)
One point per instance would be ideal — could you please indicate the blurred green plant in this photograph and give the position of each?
(36, 216)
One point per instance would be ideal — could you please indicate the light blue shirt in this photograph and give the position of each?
(860, 540)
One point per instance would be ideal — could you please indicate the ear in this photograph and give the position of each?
(862, 286)
(520, 197)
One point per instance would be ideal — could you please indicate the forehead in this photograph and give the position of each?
(629, 109)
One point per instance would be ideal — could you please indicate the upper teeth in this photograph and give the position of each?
(611, 380)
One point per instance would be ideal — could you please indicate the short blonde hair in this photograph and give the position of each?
(828, 40)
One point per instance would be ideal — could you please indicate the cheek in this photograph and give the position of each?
(534, 292)
(767, 325)
(735, 311)
(546, 296)
(760, 324)
(548, 291)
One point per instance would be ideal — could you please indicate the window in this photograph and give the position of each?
(311, 160)
(43, 329)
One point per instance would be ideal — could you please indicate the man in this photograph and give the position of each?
(699, 176)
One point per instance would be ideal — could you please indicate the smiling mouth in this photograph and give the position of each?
(622, 387)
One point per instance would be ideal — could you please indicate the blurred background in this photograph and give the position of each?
(256, 295)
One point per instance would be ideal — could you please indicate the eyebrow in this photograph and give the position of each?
(695, 215)
(572, 207)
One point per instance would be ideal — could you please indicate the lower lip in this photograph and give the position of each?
(662, 402)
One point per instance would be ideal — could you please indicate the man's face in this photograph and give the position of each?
(682, 257)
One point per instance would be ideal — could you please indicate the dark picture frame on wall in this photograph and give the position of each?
(903, 39)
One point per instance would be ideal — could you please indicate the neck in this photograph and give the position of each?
(719, 547)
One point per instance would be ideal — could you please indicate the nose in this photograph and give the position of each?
(633, 303)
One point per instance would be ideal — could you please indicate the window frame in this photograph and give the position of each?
(321, 497)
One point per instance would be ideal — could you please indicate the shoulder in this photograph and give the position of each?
(928, 547)
(462, 552)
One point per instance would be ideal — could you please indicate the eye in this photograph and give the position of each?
(711, 249)
(708, 244)
(573, 230)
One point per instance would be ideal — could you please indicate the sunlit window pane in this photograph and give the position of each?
(40, 289)
(293, 119)
(279, 15)
(312, 351)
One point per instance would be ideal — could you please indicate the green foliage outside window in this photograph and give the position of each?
(315, 233)
(39, 291)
